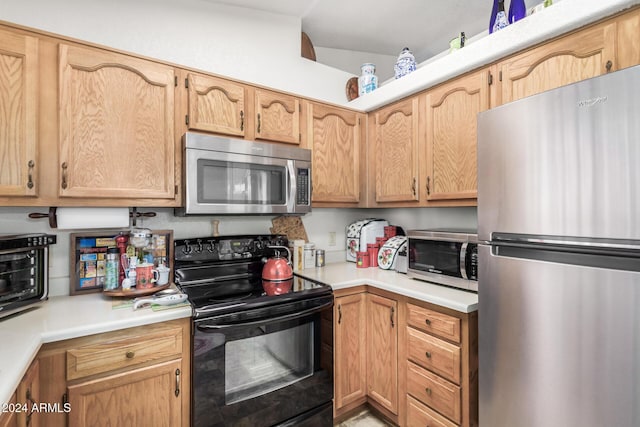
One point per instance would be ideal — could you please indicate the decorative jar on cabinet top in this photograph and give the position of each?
(405, 64)
(368, 81)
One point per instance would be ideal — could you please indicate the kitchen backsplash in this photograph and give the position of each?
(318, 225)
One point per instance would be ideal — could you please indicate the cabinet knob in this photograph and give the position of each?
(609, 65)
(428, 391)
(428, 322)
(130, 354)
(428, 354)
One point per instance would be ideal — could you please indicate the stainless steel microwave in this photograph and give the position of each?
(234, 176)
(24, 266)
(446, 257)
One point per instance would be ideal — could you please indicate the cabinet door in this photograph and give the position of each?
(9, 418)
(116, 125)
(336, 139)
(451, 111)
(27, 395)
(18, 114)
(277, 117)
(150, 396)
(396, 152)
(382, 351)
(350, 346)
(576, 57)
(628, 43)
(216, 105)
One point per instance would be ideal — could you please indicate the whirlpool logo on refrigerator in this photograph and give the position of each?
(593, 101)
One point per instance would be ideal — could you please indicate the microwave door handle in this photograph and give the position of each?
(292, 187)
(463, 260)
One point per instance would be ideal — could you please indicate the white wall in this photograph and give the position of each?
(351, 60)
(318, 224)
(244, 44)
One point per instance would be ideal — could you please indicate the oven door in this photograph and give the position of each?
(23, 279)
(263, 367)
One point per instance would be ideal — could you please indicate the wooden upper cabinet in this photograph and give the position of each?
(395, 147)
(277, 117)
(582, 55)
(336, 138)
(628, 43)
(382, 351)
(116, 126)
(216, 105)
(18, 114)
(451, 134)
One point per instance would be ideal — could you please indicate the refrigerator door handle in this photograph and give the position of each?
(568, 242)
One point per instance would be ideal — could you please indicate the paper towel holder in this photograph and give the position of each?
(53, 220)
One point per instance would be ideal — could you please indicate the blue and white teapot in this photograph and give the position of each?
(405, 64)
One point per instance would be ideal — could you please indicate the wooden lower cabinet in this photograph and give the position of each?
(350, 382)
(23, 408)
(421, 359)
(136, 376)
(382, 351)
(9, 418)
(145, 396)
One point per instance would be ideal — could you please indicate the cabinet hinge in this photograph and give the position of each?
(299, 108)
(175, 81)
(500, 76)
(186, 83)
(490, 79)
(358, 120)
(176, 189)
(186, 119)
(65, 399)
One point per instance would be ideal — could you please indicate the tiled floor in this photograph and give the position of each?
(363, 419)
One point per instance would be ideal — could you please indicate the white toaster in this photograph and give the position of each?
(361, 233)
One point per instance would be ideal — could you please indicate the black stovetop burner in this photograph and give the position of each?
(224, 274)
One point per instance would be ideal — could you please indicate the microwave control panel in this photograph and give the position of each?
(472, 261)
(302, 185)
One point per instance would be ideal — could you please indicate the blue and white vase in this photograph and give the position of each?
(405, 64)
(368, 81)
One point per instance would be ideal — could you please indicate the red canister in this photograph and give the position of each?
(362, 259)
(372, 248)
(390, 231)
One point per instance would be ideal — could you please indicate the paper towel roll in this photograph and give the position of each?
(75, 218)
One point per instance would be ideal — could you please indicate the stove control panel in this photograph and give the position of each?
(223, 248)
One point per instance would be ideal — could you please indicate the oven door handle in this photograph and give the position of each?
(286, 317)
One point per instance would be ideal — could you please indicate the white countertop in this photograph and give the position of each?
(345, 274)
(61, 318)
(562, 17)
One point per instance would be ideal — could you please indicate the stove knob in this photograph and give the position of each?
(259, 245)
(187, 249)
(200, 247)
(211, 246)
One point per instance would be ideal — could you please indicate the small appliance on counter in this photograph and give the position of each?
(361, 233)
(388, 253)
(24, 271)
(444, 256)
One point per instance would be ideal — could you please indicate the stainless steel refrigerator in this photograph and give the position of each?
(559, 270)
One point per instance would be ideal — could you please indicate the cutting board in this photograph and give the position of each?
(291, 226)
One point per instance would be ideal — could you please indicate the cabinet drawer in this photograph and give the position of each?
(442, 325)
(434, 354)
(419, 415)
(434, 391)
(124, 352)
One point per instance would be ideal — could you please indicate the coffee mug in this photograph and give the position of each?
(163, 275)
(146, 276)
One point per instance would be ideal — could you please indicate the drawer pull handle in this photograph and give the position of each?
(130, 354)
(393, 310)
(428, 390)
(428, 354)
(31, 165)
(428, 322)
(258, 122)
(64, 176)
(177, 382)
(241, 120)
(339, 314)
